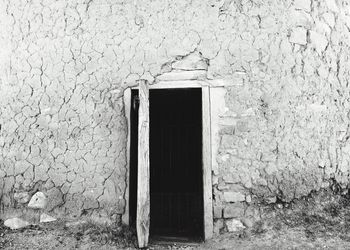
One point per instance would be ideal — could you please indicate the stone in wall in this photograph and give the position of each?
(234, 225)
(21, 197)
(217, 212)
(233, 197)
(235, 210)
(38, 201)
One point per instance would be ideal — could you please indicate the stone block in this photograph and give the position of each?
(38, 201)
(222, 186)
(218, 226)
(234, 210)
(217, 212)
(234, 225)
(21, 197)
(234, 196)
(231, 179)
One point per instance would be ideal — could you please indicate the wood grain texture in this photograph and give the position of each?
(127, 107)
(207, 183)
(143, 177)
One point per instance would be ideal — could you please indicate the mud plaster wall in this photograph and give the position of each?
(279, 120)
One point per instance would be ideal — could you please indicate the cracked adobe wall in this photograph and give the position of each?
(281, 130)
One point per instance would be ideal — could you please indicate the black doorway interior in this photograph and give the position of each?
(175, 162)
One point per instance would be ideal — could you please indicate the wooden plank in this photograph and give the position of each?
(207, 183)
(143, 177)
(127, 106)
(182, 84)
(176, 84)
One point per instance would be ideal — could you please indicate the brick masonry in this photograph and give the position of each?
(280, 100)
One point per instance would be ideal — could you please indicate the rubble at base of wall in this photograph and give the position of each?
(44, 206)
(324, 202)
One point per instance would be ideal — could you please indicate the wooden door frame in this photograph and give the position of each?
(206, 147)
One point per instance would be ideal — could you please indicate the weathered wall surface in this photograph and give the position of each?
(281, 130)
(284, 132)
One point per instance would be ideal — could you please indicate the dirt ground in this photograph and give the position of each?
(60, 237)
(321, 221)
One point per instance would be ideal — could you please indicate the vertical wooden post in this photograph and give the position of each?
(143, 177)
(207, 183)
(127, 107)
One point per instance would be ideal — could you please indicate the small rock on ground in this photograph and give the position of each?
(16, 223)
(46, 218)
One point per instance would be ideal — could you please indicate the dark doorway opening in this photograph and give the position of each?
(134, 121)
(176, 180)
